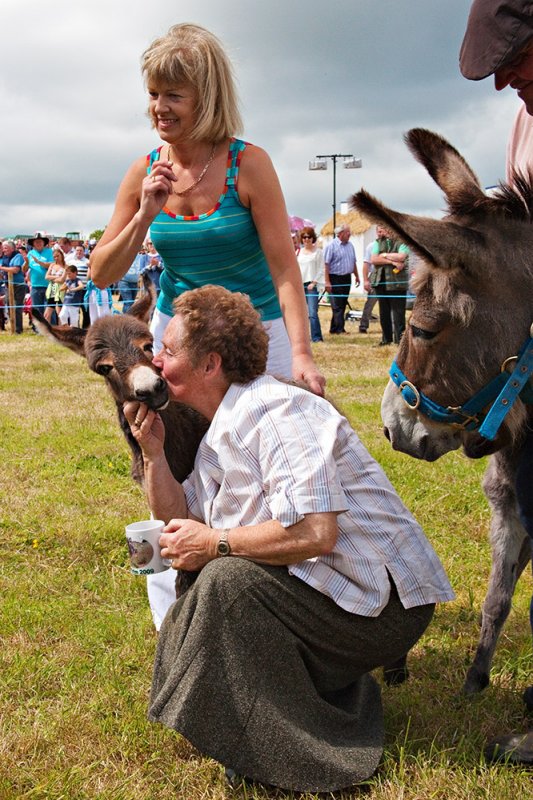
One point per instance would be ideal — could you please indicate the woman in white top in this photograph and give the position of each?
(312, 268)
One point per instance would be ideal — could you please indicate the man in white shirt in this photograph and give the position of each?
(312, 571)
(499, 41)
(78, 259)
(371, 298)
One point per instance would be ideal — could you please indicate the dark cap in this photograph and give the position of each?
(38, 235)
(497, 31)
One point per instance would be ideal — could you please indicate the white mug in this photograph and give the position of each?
(143, 544)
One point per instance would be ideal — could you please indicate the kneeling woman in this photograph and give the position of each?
(312, 571)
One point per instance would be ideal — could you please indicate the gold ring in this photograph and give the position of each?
(153, 178)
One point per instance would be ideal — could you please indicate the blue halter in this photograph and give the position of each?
(500, 394)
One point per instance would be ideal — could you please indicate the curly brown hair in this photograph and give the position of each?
(219, 321)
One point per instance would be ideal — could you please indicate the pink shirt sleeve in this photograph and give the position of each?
(520, 145)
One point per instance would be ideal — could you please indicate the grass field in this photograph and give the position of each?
(76, 636)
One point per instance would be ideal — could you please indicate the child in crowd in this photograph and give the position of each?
(74, 291)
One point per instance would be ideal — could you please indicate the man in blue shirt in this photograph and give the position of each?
(339, 264)
(12, 264)
(128, 286)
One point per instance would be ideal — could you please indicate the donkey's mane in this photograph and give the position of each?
(512, 200)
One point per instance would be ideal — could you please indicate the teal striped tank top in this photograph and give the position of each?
(219, 247)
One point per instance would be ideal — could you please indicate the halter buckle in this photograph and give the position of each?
(468, 418)
(507, 361)
(415, 391)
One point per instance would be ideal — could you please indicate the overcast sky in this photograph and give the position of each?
(344, 76)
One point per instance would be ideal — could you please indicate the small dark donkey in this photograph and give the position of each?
(467, 354)
(119, 347)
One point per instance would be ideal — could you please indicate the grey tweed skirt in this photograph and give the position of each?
(270, 677)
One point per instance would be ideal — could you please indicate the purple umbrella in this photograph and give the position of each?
(297, 223)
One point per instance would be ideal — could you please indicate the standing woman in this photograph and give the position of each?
(213, 203)
(55, 275)
(311, 262)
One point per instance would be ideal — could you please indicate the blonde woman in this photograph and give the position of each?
(55, 275)
(212, 204)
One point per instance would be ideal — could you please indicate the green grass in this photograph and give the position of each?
(76, 637)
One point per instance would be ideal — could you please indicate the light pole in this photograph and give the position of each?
(350, 162)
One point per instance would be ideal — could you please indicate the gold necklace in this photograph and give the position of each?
(200, 176)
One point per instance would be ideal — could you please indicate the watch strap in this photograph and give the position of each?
(223, 546)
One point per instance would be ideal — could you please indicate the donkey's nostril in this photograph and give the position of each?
(386, 433)
(159, 385)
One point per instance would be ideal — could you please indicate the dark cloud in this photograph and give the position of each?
(348, 76)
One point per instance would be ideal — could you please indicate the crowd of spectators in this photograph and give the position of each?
(54, 276)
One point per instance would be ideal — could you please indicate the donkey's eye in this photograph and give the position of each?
(103, 369)
(422, 333)
(149, 347)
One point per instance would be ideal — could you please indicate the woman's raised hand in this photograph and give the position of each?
(156, 188)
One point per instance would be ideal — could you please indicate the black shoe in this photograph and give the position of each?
(233, 779)
(383, 344)
(515, 748)
(363, 330)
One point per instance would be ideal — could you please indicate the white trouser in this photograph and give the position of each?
(97, 310)
(161, 591)
(70, 315)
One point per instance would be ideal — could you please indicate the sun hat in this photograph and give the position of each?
(496, 31)
(38, 235)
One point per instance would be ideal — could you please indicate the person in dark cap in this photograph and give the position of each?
(39, 257)
(497, 32)
(499, 41)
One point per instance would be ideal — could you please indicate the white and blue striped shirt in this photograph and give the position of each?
(275, 451)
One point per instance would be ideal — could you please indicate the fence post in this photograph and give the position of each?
(11, 302)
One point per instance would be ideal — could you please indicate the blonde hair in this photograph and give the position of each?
(189, 54)
(58, 251)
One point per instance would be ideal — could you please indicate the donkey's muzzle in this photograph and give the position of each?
(156, 397)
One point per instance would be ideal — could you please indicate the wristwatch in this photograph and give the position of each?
(223, 547)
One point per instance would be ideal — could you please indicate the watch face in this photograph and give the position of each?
(223, 548)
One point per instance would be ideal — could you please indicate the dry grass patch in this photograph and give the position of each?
(76, 637)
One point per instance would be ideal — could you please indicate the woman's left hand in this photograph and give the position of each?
(188, 543)
(305, 369)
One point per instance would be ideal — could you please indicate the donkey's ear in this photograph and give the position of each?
(441, 243)
(143, 305)
(73, 338)
(446, 166)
